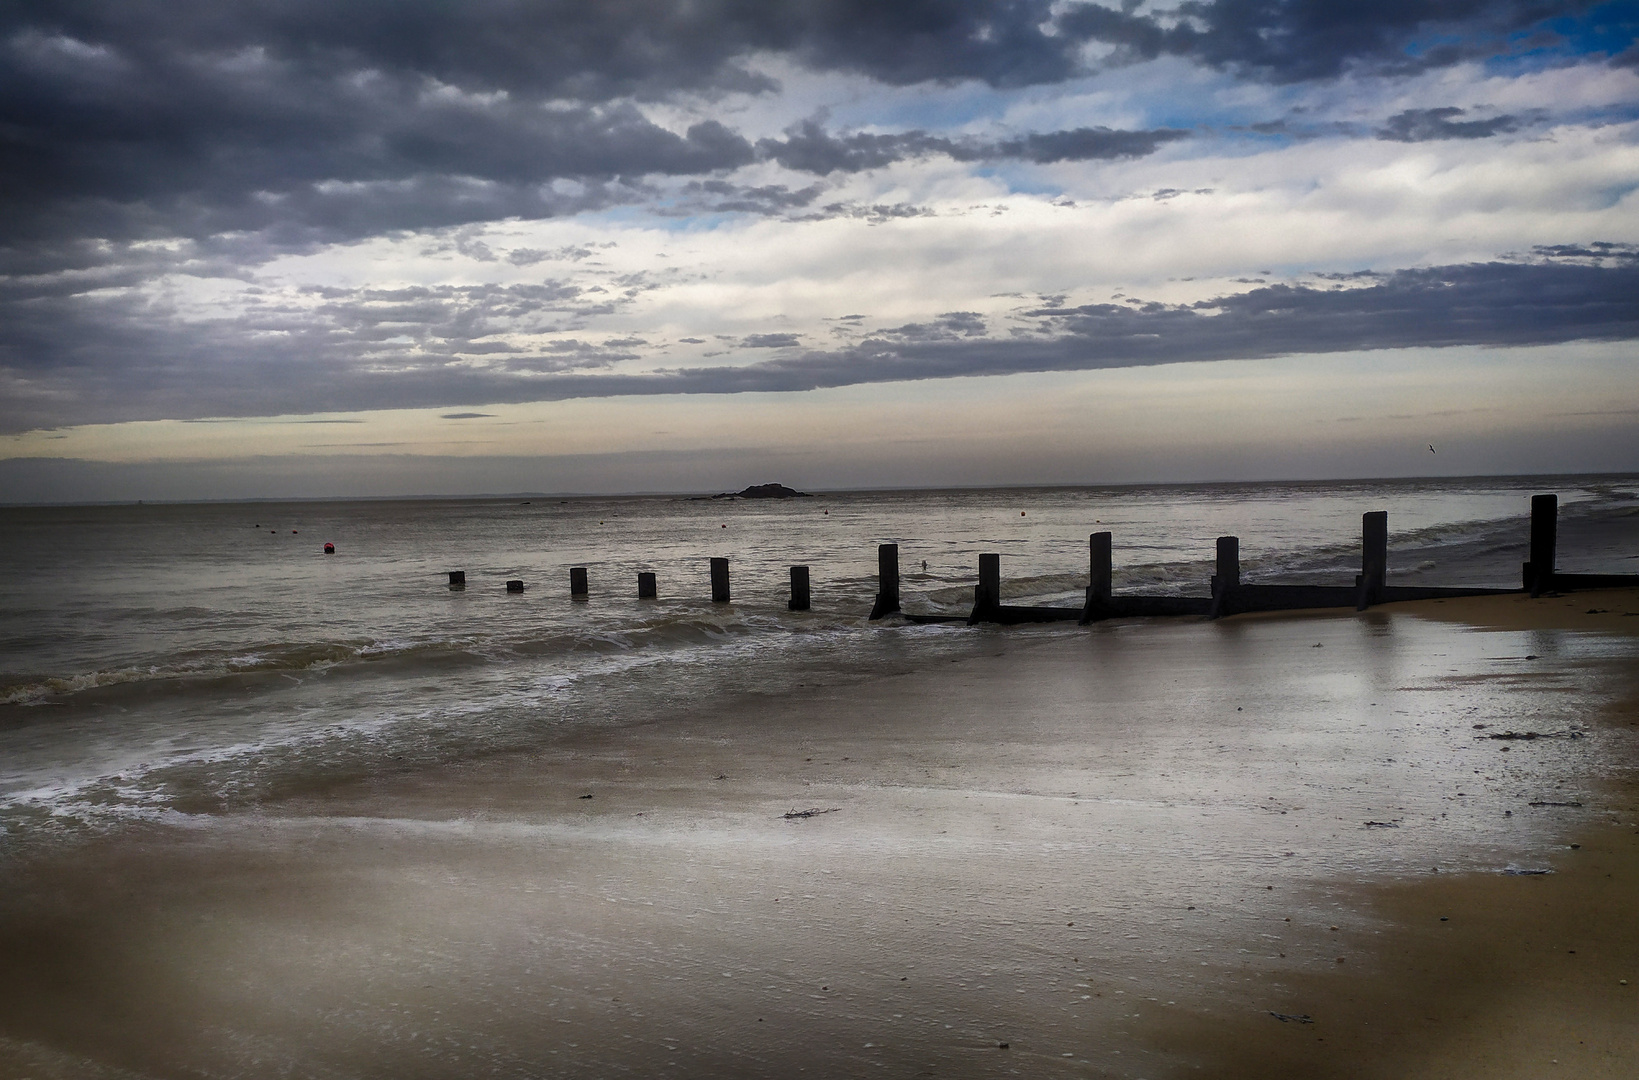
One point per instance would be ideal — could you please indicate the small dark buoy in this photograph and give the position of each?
(515, 585)
(329, 548)
(292, 532)
(458, 578)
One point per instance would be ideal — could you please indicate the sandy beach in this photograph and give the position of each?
(1261, 847)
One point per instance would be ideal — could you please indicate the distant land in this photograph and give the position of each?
(765, 491)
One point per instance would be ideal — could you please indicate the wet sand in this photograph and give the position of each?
(1119, 853)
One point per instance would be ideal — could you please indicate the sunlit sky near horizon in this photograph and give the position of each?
(379, 248)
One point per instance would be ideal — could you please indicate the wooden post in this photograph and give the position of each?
(799, 589)
(1228, 577)
(887, 578)
(987, 595)
(458, 579)
(577, 583)
(1539, 572)
(1098, 550)
(1374, 558)
(719, 581)
(645, 585)
(515, 585)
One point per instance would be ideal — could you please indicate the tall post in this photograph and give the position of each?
(799, 589)
(1374, 557)
(1228, 577)
(987, 595)
(887, 576)
(719, 581)
(1539, 572)
(1098, 551)
(577, 583)
(645, 585)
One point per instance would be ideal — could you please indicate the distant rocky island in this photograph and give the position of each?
(765, 491)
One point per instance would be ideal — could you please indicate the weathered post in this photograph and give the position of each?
(645, 585)
(887, 577)
(719, 581)
(577, 583)
(458, 579)
(1374, 558)
(515, 585)
(799, 589)
(987, 595)
(1228, 577)
(1100, 571)
(1539, 572)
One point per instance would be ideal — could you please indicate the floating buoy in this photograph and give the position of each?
(292, 532)
(515, 586)
(329, 548)
(1021, 513)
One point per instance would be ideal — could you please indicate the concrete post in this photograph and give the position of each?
(1539, 572)
(719, 581)
(1100, 576)
(645, 585)
(887, 577)
(577, 583)
(1374, 557)
(799, 589)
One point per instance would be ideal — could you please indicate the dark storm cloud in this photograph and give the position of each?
(808, 147)
(309, 120)
(1425, 125)
(78, 360)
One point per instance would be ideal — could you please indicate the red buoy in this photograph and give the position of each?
(329, 548)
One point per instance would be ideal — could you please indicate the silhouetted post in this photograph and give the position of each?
(1228, 577)
(577, 583)
(645, 585)
(719, 581)
(1374, 558)
(987, 595)
(887, 577)
(458, 579)
(1539, 572)
(515, 585)
(1102, 574)
(799, 589)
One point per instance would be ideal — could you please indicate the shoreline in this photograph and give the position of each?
(994, 871)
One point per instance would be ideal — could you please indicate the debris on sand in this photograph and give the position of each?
(1289, 1018)
(1382, 825)
(814, 812)
(1545, 802)
(1516, 871)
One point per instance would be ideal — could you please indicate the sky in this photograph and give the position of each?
(328, 248)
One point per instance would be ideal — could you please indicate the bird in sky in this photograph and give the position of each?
(1431, 448)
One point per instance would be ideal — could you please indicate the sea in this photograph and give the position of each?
(209, 657)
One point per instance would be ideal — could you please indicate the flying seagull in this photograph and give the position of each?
(1431, 448)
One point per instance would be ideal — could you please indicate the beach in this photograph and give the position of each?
(1257, 847)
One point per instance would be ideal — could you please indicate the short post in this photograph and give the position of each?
(458, 579)
(515, 585)
(799, 589)
(987, 595)
(1374, 558)
(887, 576)
(1539, 572)
(719, 581)
(645, 585)
(577, 583)
(1228, 577)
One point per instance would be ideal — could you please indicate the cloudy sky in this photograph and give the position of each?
(327, 247)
